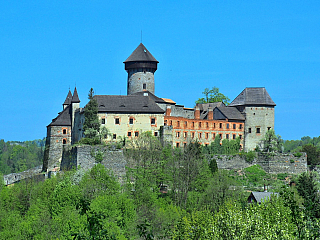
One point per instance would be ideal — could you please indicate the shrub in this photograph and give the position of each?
(249, 156)
(297, 154)
(291, 160)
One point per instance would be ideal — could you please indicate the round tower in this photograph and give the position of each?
(140, 66)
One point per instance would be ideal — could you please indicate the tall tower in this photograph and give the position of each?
(258, 108)
(140, 66)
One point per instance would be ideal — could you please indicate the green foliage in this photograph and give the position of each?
(20, 156)
(313, 154)
(213, 95)
(272, 142)
(297, 154)
(249, 156)
(308, 190)
(91, 124)
(228, 147)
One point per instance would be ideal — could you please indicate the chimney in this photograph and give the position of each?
(168, 111)
(210, 113)
(197, 113)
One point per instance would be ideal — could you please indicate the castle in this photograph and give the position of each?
(249, 116)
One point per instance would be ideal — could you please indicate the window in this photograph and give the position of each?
(144, 86)
(117, 120)
(199, 124)
(170, 122)
(156, 134)
(130, 120)
(227, 125)
(234, 126)
(114, 136)
(165, 122)
(233, 136)
(177, 145)
(64, 131)
(200, 135)
(177, 134)
(193, 124)
(249, 130)
(213, 135)
(214, 125)
(227, 136)
(103, 121)
(153, 121)
(136, 134)
(184, 144)
(186, 123)
(192, 135)
(129, 134)
(240, 136)
(64, 141)
(207, 135)
(258, 130)
(185, 134)
(268, 128)
(178, 123)
(220, 135)
(207, 124)
(220, 125)
(240, 126)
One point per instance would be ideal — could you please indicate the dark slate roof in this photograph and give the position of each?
(262, 196)
(253, 96)
(205, 106)
(127, 104)
(151, 95)
(141, 54)
(68, 99)
(232, 113)
(63, 119)
(75, 97)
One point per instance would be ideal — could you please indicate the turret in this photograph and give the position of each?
(140, 66)
(67, 102)
(75, 104)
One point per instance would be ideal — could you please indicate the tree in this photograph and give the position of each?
(271, 142)
(308, 190)
(213, 95)
(313, 154)
(91, 124)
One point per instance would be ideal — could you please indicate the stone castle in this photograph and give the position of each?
(249, 116)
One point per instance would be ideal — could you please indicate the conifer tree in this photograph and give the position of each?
(91, 123)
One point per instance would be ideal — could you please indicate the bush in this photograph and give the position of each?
(297, 154)
(249, 156)
(291, 160)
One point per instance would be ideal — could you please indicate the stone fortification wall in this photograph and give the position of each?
(271, 163)
(87, 156)
(34, 173)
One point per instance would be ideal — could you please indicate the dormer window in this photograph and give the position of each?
(144, 86)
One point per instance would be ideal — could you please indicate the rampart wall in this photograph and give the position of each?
(272, 163)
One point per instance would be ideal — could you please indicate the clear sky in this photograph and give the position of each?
(48, 46)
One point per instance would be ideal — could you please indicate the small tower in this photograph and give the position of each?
(67, 102)
(75, 104)
(258, 108)
(140, 66)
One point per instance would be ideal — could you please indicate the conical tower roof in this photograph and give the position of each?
(75, 97)
(141, 54)
(68, 99)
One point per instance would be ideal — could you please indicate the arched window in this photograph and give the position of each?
(64, 141)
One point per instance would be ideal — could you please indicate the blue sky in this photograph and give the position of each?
(48, 46)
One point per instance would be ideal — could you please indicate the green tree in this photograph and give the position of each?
(308, 190)
(271, 142)
(313, 154)
(91, 124)
(213, 95)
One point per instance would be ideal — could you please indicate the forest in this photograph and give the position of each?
(168, 193)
